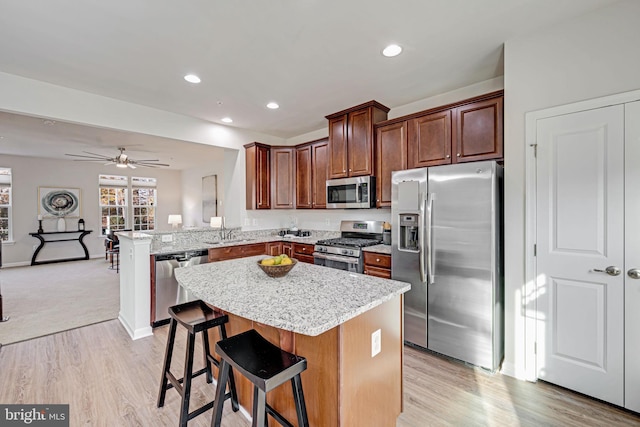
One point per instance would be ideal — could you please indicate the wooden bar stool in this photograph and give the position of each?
(195, 316)
(266, 366)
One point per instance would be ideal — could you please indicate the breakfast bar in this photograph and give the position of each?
(347, 325)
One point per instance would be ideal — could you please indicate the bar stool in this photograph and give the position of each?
(195, 316)
(267, 367)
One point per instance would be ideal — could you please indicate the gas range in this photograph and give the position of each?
(345, 252)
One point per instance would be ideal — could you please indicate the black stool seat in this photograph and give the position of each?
(195, 316)
(266, 366)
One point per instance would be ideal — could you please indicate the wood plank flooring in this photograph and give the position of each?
(109, 380)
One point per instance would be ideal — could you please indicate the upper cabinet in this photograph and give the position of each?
(351, 139)
(258, 165)
(391, 155)
(429, 140)
(311, 175)
(477, 133)
(282, 177)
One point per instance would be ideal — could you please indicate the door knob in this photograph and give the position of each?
(611, 270)
(634, 273)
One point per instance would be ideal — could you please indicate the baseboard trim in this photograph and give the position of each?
(137, 333)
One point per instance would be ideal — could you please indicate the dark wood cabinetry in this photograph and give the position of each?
(391, 155)
(429, 140)
(311, 175)
(258, 165)
(282, 177)
(477, 133)
(378, 265)
(303, 252)
(287, 249)
(351, 139)
(273, 248)
(239, 251)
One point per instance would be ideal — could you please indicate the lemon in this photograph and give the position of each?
(286, 261)
(268, 261)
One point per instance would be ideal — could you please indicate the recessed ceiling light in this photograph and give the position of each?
(49, 122)
(392, 50)
(273, 105)
(192, 78)
(227, 120)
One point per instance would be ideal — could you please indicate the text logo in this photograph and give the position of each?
(34, 415)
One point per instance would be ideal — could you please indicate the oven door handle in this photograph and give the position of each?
(338, 258)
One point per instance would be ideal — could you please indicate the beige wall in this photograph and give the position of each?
(28, 173)
(588, 57)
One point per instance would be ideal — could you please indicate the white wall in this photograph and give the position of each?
(192, 188)
(29, 173)
(588, 57)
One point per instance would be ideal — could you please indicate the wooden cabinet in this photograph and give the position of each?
(477, 131)
(351, 139)
(273, 248)
(429, 140)
(311, 175)
(303, 252)
(391, 155)
(258, 165)
(287, 249)
(282, 177)
(239, 251)
(378, 265)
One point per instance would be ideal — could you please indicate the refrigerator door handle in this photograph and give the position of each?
(428, 226)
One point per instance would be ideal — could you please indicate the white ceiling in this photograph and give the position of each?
(313, 57)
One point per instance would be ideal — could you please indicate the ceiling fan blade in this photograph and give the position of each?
(89, 157)
(150, 164)
(131, 166)
(88, 160)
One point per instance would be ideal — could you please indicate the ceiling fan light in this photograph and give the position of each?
(121, 165)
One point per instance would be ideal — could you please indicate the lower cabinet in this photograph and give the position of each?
(287, 249)
(303, 252)
(239, 251)
(378, 265)
(274, 248)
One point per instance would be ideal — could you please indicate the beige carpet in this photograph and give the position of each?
(45, 299)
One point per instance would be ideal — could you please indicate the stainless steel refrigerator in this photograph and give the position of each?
(447, 242)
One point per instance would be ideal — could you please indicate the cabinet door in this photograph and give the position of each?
(274, 248)
(304, 174)
(320, 173)
(338, 147)
(282, 177)
(360, 143)
(391, 155)
(478, 131)
(258, 192)
(429, 140)
(287, 249)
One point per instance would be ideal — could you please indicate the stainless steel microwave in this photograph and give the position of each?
(351, 193)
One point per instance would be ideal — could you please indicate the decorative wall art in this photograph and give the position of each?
(58, 202)
(209, 197)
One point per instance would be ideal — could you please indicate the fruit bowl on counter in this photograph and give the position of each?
(277, 266)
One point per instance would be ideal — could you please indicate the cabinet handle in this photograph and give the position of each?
(448, 156)
(377, 259)
(349, 170)
(458, 154)
(344, 170)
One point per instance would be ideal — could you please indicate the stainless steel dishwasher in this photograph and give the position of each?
(167, 291)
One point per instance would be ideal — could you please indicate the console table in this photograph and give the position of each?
(40, 236)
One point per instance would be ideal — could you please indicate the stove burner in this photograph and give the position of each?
(349, 242)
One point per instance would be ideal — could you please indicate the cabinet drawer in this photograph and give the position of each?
(385, 273)
(377, 260)
(232, 252)
(302, 249)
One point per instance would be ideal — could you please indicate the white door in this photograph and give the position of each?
(632, 257)
(580, 226)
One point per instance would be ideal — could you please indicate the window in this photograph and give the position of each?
(119, 211)
(113, 202)
(5, 205)
(144, 202)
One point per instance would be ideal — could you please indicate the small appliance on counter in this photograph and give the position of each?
(386, 233)
(296, 233)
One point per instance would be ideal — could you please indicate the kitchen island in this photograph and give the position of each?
(333, 318)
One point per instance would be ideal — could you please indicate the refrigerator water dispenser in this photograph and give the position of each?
(409, 233)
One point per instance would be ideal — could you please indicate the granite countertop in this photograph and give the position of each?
(310, 300)
(379, 249)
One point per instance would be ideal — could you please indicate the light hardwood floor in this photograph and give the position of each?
(109, 380)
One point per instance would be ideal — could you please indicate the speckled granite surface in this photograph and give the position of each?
(309, 300)
(379, 249)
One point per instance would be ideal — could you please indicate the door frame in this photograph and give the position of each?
(528, 304)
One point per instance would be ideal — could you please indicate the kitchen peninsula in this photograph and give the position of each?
(329, 316)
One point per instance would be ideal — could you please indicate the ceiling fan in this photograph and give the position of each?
(121, 160)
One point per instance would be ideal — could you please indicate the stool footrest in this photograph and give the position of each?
(177, 383)
(276, 415)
